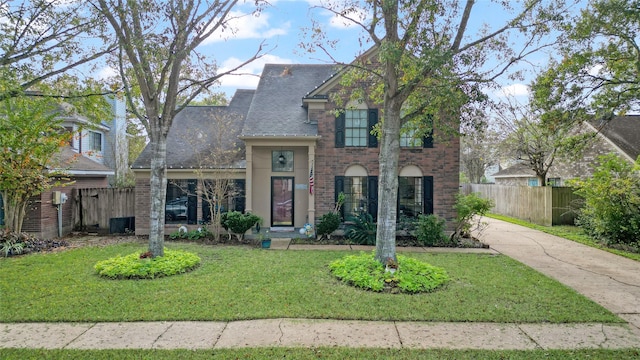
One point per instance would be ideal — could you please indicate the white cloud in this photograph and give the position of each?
(595, 71)
(246, 26)
(513, 90)
(248, 76)
(359, 15)
(336, 21)
(106, 73)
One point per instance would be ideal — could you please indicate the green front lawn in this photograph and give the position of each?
(235, 283)
(568, 232)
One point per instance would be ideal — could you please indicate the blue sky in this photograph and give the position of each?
(281, 28)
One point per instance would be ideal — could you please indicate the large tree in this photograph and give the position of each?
(162, 71)
(599, 64)
(479, 149)
(430, 71)
(42, 39)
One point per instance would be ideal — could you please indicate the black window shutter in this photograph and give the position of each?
(340, 130)
(427, 141)
(373, 120)
(372, 196)
(339, 188)
(192, 201)
(427, 184)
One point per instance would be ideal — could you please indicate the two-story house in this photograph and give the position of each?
(300, 151)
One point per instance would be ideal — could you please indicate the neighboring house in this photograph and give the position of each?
(104, 143)
(85, 162)
(300, 151)
(518, 174)
(620, 135)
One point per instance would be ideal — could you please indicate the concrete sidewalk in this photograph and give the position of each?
(610, 280)
(314, 333)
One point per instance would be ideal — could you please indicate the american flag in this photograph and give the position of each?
(311, 180)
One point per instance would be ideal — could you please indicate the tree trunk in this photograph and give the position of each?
(388, 186)
(158, 193)
(542, 179)
(15, 208)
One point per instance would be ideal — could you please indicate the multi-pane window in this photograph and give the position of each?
(554, 182)
(410, 197)
(355, 191)
(533, 182)
(95, 141)
(221, 195)
(408, 138)
(356, 127)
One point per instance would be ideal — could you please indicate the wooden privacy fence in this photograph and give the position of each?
(542, 205)
(97, 207)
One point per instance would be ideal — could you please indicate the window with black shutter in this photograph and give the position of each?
(353, 128)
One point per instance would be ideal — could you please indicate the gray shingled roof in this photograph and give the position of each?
(516, 170)
(69, 159)
(193, 132)
(624, 132)
(277, 109)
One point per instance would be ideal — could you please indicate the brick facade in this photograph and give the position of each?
(442, 162)
(292, 110)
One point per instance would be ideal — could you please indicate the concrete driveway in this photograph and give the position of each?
(610, 280)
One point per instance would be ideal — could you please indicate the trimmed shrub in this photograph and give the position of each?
(327, 224)
(238, 223)
(430, 231)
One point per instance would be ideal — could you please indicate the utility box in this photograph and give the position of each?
(59, 198)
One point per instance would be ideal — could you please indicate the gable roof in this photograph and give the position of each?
(322, 88)
(193, 132)
(276, 109)
(624, 133)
